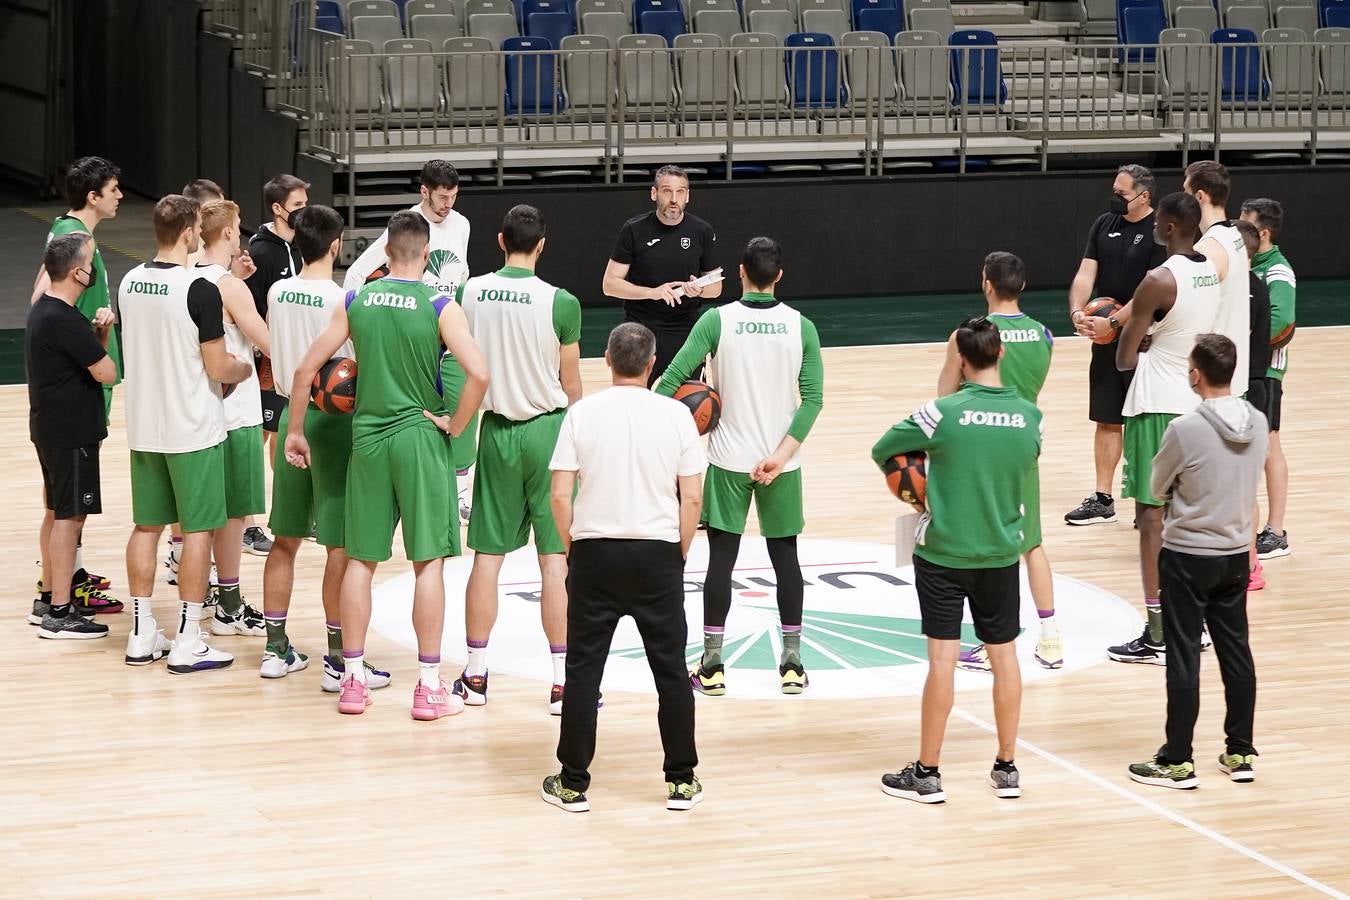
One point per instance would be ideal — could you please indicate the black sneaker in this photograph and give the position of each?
(256, 541)
(70, 628)
(907, 784)
(1270, 545)
(42, 609)
(1095, 510)
(553, 793)
(1140, 650)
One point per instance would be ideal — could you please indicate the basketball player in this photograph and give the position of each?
(174, 323)
(93, 195)
(529, 331)
(1027, 345)
(400, 463)
(1271, 266)
(1258, 364)
(1176, 302)
(1120, 252)
(1209, 183)
(310, 500)
(204, 190)
(244, 479)
(655, 262)
(771, 380)
(447, 269)
(982, 444)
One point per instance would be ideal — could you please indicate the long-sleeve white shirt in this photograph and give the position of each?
(447, 264)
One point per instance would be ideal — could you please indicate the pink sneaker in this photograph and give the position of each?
(1257, 579)
(429, 705)
(355, 696)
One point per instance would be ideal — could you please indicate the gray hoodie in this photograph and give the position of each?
(1209, 468)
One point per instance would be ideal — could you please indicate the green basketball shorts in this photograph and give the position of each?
(726, 502)
(406, 476)
(513, 484)
(1143, 437)
(245, 483)
(313, 498)
(187, 488)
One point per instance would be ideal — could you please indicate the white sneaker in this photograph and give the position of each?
(464, 508)
(193, 655)
(172, 563)
(1205, 640)
(333, 672)
(248, 622)
(276, 666)
(145, 643)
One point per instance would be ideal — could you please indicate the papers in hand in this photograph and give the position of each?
(702, 281)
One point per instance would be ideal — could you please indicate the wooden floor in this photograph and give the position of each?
(118, 781)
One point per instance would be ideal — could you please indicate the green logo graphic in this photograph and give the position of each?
(439, 260)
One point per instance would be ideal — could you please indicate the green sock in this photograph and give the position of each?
(277, 641)
(334, 642)
(712, 647)
(792, 646)
(1155, 625)
(231, 601)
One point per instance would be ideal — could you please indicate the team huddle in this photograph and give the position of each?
(459, 374)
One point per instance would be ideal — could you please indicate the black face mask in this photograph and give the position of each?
(1119, 205)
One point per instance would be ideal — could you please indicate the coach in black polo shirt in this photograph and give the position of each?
(655, 260)
(67, 365)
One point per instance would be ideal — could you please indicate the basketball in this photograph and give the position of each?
(704, 403)
(1103, 307)
(265, 379)
(907, 477)
(334, 389)
(380, 272)
(1282, 339)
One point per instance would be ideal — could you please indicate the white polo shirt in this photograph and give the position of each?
(628, 446)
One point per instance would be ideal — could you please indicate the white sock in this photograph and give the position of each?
(1048, 626)
(559, 667)
(477, 663)
(141, 611)
(79, 551)
(190, 621)
(430, 674)
(355, 665)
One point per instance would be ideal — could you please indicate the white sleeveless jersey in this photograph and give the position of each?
(243, 408)
(758, 364)
(1162, 382)
(172, 405)
(298, 309)
(1234, 319)
(512, 321)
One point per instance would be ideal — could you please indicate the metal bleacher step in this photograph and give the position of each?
(1087, 124)
(1034, 30)
(968, 14)
(1025, 61)
(1062, 86)
(1068, 107)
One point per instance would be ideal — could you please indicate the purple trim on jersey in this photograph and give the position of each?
(347, 301)
(439, 302)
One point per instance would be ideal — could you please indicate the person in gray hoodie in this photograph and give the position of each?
(1208, 469)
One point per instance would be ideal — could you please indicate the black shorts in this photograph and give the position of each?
(272, 405)
(70, 480)
(669, 340)
(1107, 386)
(1267, 395)
(994, 595)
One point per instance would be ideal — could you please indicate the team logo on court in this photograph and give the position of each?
(862, 635)
(684, 243)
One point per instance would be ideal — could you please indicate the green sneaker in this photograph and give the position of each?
(685, 795)
(1238, 767)
(564, 798)
(1173, 775)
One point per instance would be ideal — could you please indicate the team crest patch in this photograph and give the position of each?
(1138, 238)
(88, 499)
(685, 243)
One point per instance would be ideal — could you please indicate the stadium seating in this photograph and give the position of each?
(531, 78)
(1333, 63)
(648, 82)
(588, 82)
(869, 69)
(410, 74)
(976, 76)
(1301, 16)
(760, 85)
(704, 87)
(435, 28)
(925, 82)
(376, 29)
(552, 26)
(873, 15)
(932, 18)
(1241, 82)
(1291, 66)
(813, 71)
(823, 17)
(1141, 23)
(1202, 18)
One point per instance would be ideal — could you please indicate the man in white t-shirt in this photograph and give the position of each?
(627, 532)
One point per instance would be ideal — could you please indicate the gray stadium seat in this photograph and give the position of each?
(1172, 6)
(748, 6)
(437, 29)
(833, 22)
(1254, 18)
(1203, 18)
(364, 94)
(609, 25)
(923, 63)
(473, 78)
(694, 7)
(869, 64)
(1101, 18)
(805, 6)
(722, 22)
(410, 72)
(1302, 17)
(777, 22)
(1292, 70)
(934, 19)
(648, 84)
(761, 81)
(1187, 70)
(434, 8)
(370, 8)
(495, 26)
(702, 73)
(1334, 62)
(914, 5)
(377, 29)
(587, 73)
(597, 6)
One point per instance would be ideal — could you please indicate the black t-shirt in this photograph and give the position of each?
(658, 253)
(65, 403)
(1124, 252)
(1259, 358)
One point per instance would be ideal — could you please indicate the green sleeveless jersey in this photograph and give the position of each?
(1026, 353)
(94, 297)
(395, 327)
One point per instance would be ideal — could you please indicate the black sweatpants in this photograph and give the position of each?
(1197, 590)
(607, 580)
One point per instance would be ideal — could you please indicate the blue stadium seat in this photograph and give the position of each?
(668, 23)
(552, 26)
(329, 23)
(975, 72)
(531, 78)
(326, 8)
(640, 7)
(527, 8)
(886, 19)
(1142, 24)
(1331, 12)
(813, 73)
(857, 6)
(1240, 66)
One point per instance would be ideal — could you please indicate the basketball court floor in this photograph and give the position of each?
(118, 781)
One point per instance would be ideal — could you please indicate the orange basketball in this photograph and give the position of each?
(907, 477)
(380, 272)
(704, 403)
(265, 379)
(1282, 339)
(334, 389)
(1103, 307)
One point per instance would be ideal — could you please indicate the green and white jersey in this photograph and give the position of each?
(521, 323)
(1027, 345)
(298, 310)
(982, 445)
(1234, 317)
(769, 374)
(96, 296)
(243, 408)
(1278, 276)
(395, 328)
(447, 262)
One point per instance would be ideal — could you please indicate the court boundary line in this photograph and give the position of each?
(1153, 806)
